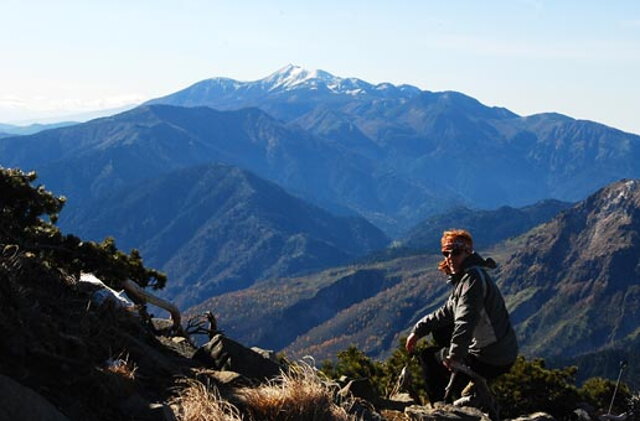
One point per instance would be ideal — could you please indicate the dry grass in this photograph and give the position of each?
(297, 395)
(197, 402)
(390, 415)
(122, 367)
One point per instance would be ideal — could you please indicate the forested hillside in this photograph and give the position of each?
(217, 228)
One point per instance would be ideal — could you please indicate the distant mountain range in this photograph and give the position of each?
(489, 226)
(288, 93)
(22, 120)
(216, 228)
(91, 159)
(12, 130)
(572, 286)
(449, 144)
(395, 155)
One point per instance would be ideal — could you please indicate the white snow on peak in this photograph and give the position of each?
(293, 77)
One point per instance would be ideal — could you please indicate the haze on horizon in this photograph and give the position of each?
(579, 58)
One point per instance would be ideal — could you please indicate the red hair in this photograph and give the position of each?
(454, 239)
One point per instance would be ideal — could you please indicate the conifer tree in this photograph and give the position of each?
(28, 215)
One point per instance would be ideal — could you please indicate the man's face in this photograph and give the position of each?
(454, 255)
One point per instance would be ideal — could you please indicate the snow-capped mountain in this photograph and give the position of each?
(445, 144)
(308, 86)
(293, 77)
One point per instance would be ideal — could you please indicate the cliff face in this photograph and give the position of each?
(574, 283)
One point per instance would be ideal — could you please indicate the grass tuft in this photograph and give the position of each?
(196, 401)
(122, 367)
(298, 394)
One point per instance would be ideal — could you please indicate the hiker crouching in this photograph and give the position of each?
(472, 328)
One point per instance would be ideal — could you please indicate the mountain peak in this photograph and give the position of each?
(221, 92)
(292, 76)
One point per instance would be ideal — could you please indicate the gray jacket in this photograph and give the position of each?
(477, 315)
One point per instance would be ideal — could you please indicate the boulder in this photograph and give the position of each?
(444, 412)
(360, 388)
(222, 353)
(18, 402)
(266, 353)
(582, 415)
(137, 408)
(397, 402)
(161, 411)
(362, 410)
(229, 379)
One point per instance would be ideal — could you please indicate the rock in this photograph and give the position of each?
(266, 353)
(403, 397)
(582, 415)
(227, 378)
(18, 402)
(444, 412)
(343, 380)
(178, 344)
(161, 412)
(222, 353)
(362, 410)
(588, 408)
(138, 408)
(397, 402)
(360, 388)
(537, 416)
(149, 358)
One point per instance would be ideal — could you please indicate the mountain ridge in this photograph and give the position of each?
(425, 135)
(394, 160)
(489, 226)
(91, 159)
(215, 228)
(289, 78)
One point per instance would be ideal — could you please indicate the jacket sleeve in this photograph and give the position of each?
(439, 318)
(467, 314)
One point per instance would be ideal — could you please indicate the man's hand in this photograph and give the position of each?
(411, 343)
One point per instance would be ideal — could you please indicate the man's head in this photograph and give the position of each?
(456, 246)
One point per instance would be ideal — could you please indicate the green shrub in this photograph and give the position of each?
(531, 387)
(354, 364)
(598, 392)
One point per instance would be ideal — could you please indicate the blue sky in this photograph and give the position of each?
(580, 58)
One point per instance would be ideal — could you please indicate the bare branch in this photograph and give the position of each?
(135, 290)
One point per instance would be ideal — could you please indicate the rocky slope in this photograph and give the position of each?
(574, 282)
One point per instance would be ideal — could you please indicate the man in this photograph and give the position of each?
(472, 327)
